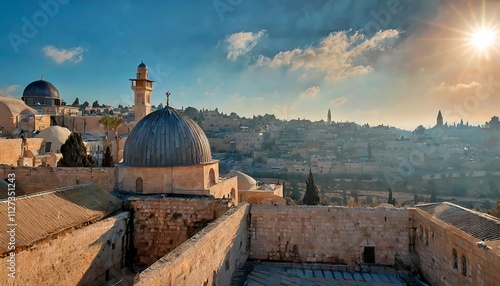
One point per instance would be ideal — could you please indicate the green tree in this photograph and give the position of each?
(112, 123)
(311, 197)
(390, 200)
(74, 152)
(107, 161)
(76, 103)
(420, 130)
(191, 112)
(431, 189)
(416, 198)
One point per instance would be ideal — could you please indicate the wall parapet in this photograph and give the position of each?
(328, 234)
(210, 257)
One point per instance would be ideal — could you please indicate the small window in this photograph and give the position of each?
(464, 265)
(369, 254)
(139, 184)
(455, 259)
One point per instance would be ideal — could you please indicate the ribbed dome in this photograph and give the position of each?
(166, 138)
(41, 88)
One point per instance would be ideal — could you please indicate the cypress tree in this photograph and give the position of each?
(74, 152)
(107, 161)
(311, 197)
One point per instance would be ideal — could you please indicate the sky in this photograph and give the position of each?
(391, 62)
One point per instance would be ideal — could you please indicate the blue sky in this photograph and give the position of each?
(393, 62)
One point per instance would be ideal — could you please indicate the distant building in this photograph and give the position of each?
(16, 118)
(43, 96)
(329, 118)
(439, 119)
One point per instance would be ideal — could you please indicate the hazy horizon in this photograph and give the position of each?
(391, 62)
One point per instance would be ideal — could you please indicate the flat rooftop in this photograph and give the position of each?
(262, 273)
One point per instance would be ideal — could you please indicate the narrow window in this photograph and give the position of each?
(139, 184)
(464, 265)
(455, 259)
(211, 179)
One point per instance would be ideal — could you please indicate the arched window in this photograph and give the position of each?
(211, 177)
(464, 265)
(455, 259)
(233, 193)
(139, 185)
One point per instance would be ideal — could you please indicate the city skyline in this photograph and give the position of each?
(367, 62)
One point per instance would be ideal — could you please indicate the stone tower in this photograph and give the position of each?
(439, 119)
(329, 118)
(142, 88)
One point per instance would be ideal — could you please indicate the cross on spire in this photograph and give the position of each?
(168, 98)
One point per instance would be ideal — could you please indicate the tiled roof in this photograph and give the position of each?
(40, 215)
(4, 190)
(479, 225)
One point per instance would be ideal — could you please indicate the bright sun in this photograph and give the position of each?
(483, 39)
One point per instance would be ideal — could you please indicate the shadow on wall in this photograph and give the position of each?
(236, 256)
(110, 259)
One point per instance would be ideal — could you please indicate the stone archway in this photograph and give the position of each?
(139, 185)
(211, 177)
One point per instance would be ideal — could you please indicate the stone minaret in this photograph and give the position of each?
(439, 119)
(142, 88)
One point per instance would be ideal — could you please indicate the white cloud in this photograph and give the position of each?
(310, 92)
(339, 101)
(443, 86)
(9, 89)
(72, 55)
(237, 97)
(241, 43)
(338, 55)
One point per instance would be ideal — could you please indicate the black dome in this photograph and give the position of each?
(142, 65)
(41, 88)
(166, 138)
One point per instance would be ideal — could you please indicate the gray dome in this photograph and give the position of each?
(166, 138)
(41, 88)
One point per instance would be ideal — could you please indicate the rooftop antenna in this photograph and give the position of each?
(168, 98)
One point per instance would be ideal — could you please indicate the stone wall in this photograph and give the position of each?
(162, 224)
(11, 149)
(209, 258)
(434, 244)
(327, 234)
(193, 180)
(33, 180)
(80, 257)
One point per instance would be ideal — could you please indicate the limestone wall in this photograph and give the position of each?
(261, 197)
(208, 258)
(227, 188)
(80, 257)
(434, 244)
(327, 234)
(11, 149)
(33, 180)
(179, 179)
(162, 224)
